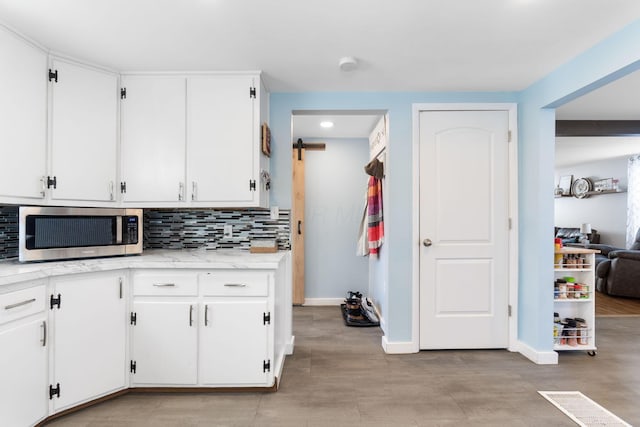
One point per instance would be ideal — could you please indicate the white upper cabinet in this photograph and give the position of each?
(221, 129)
(153, 139)
(84, 116)
(77, 137)
(192, 140)
(23, 118)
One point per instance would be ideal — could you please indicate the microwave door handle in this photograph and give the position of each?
(118, 229)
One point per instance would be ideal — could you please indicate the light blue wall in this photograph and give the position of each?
(398, 200)
(613, 58)
(335, 187)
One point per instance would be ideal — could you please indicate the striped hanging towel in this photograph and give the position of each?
(374, 215)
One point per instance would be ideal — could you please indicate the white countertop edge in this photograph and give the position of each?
(12, 271)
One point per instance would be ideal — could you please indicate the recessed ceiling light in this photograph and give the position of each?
(326, 124)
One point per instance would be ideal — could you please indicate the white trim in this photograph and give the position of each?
(175, 73)
(62, 57)
(538, 357)
(288, 347)
(513, 232)
(323, 301)
(401, 347)
(383, 325)
(24, 37)
(512, 109)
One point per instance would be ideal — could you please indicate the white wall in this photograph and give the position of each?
(335, 188)
(607, 213)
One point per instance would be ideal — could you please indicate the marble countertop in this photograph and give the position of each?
(12, 271)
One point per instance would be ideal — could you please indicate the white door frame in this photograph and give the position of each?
(512, 109)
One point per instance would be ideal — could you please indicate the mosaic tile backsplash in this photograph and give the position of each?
(182, 229)
(8, 232)
(204, 228)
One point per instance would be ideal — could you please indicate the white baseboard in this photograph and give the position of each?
(323, 301)
(288, 347)
(537, 357)
(403, 347)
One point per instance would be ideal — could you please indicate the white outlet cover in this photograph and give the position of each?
(275, 212)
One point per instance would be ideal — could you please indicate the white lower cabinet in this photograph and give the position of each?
(165, 343)
(211, 328)
(65, 341)
(23, 357)
(88, 357)
(234, 343)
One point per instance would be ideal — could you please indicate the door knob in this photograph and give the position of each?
(427, 242)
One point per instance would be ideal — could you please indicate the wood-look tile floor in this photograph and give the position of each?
(339, 376)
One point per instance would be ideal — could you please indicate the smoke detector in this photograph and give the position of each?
(348, 63)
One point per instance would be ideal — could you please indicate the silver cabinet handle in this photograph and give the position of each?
(43, 181)
(427, 242)
(194, 190)
(191, 315)
(206, 315)
(236, 285)
(44, 333)
(181, 191)
(120, 282)
(111, 194)
(19, 304)
(164, 285)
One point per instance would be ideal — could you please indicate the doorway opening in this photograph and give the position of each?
(596, 135)
(329, 192)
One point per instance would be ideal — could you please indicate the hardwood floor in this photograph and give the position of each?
(339, 376)
(610, 306)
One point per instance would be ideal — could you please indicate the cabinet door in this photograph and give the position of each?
(153, 138)
(83, 133)
(221, 145)
(164, 342)
(23, 364)
(89, 337)
(23, 117)
(233, 343)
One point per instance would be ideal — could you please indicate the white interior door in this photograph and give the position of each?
(464, 189)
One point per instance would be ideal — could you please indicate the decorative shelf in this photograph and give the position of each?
(593, 193)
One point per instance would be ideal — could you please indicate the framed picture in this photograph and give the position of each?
(266, 140)
(603, 184)
(565, 184)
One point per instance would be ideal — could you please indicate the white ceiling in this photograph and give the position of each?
(402, 45)
(616, 101)
(306, 124)
(572, 151)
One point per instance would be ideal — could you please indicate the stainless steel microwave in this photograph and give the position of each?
(50, 233)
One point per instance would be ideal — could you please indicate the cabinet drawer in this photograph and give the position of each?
(22, 303)
(151, 284)
(232, 283)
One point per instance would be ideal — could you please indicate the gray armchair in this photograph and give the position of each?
(618, 270)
